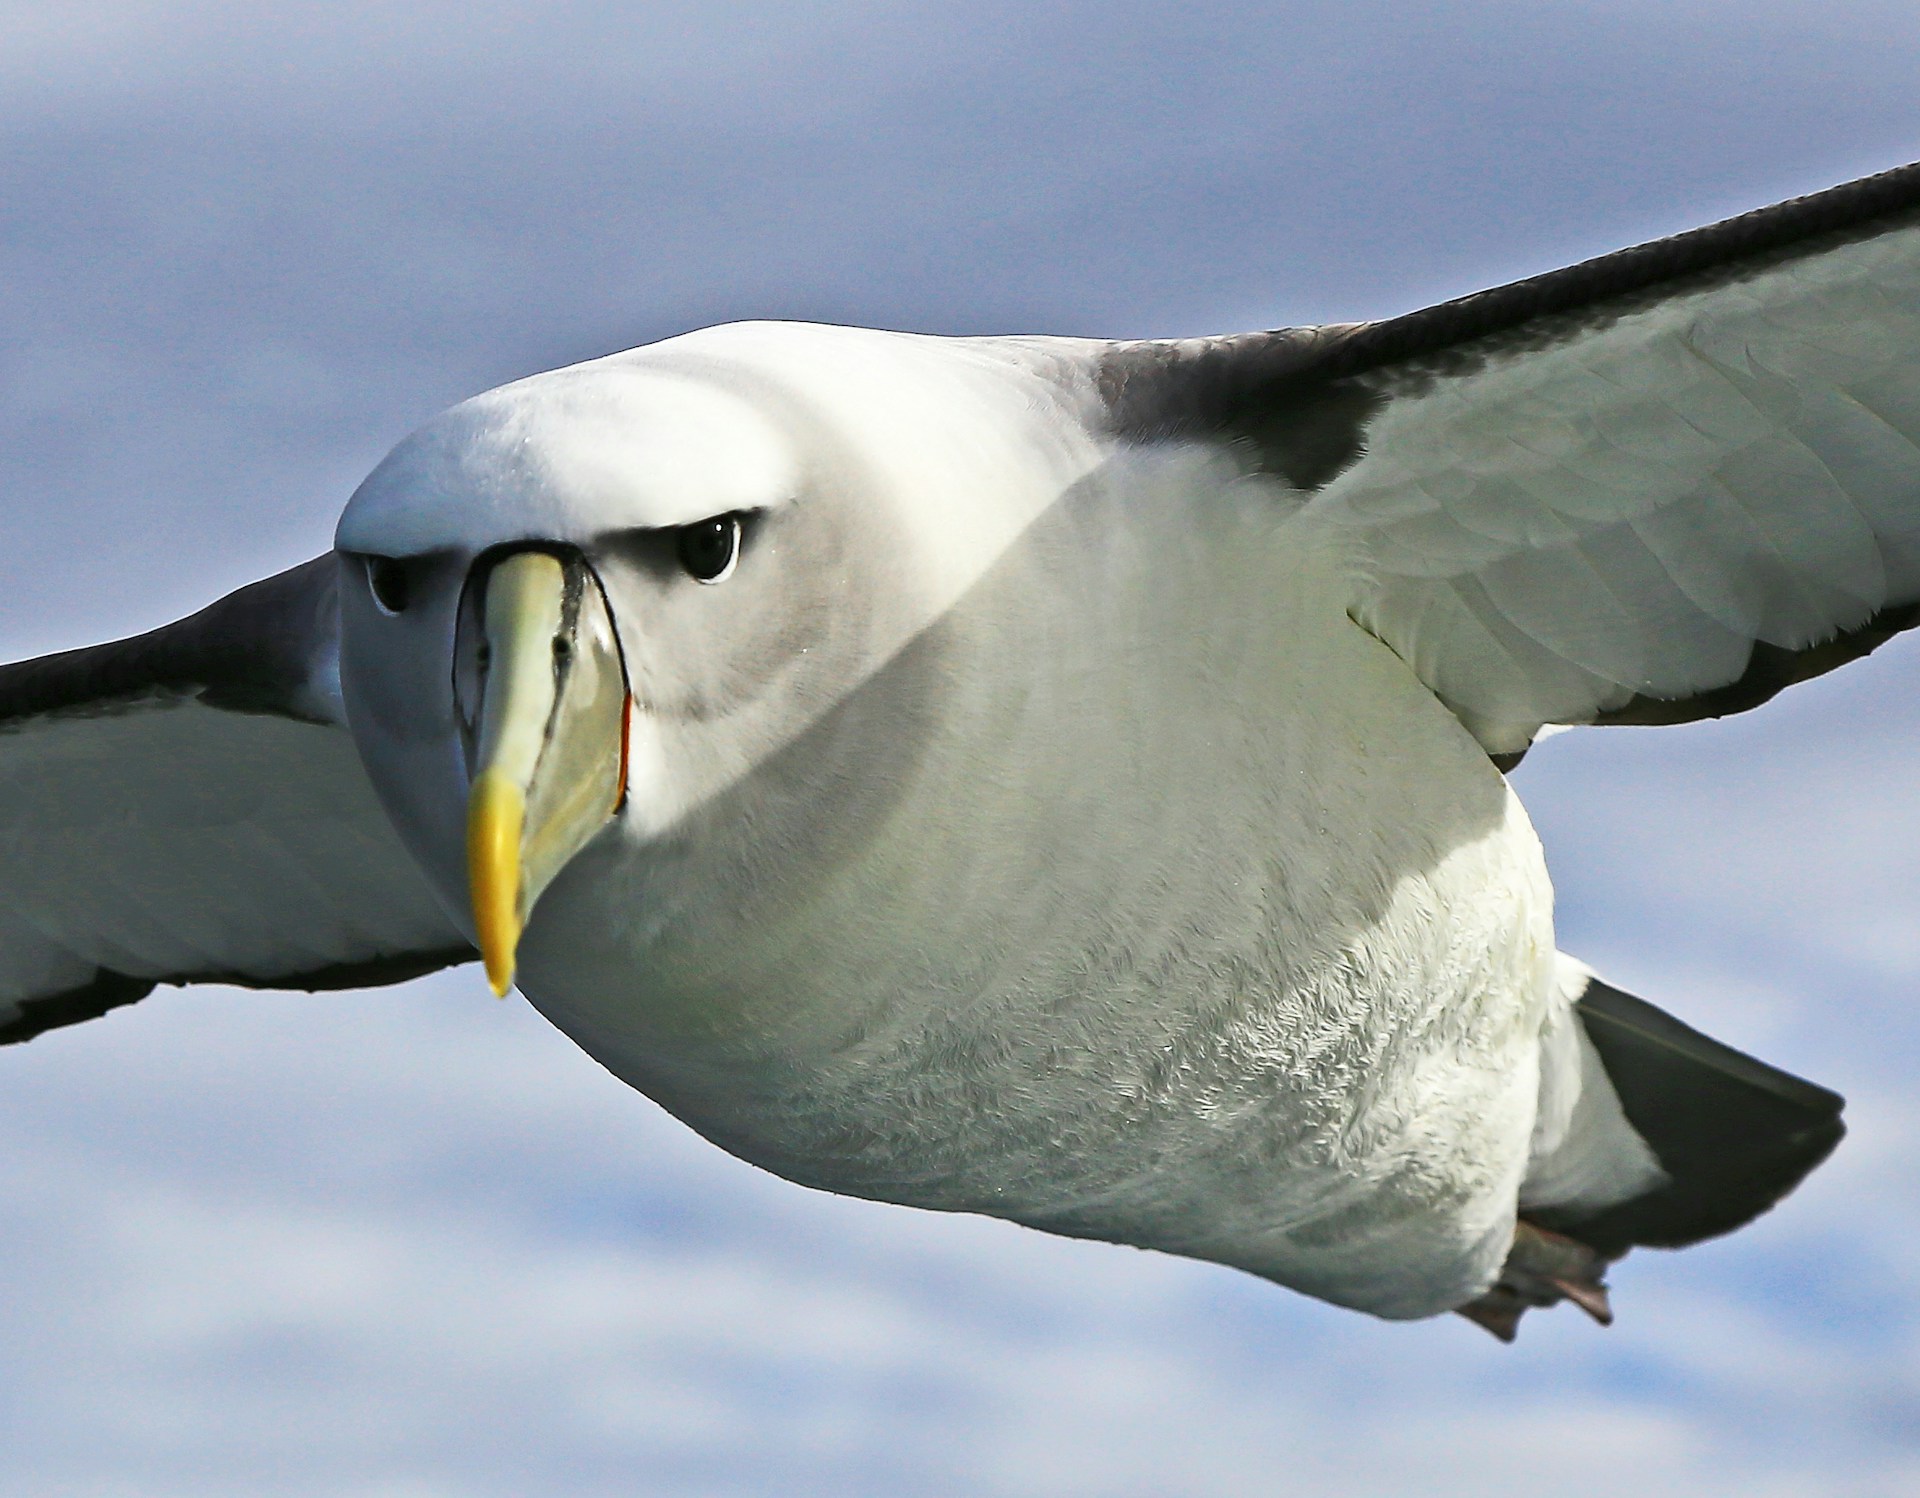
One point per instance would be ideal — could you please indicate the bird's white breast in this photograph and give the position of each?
(1142, 897)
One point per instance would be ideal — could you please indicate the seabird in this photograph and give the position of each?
(1047, 777)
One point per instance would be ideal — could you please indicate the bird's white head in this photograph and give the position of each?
(601, 596)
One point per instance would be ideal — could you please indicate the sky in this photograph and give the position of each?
(412, 1244)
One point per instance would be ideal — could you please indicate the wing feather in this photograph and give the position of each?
(1659, 485)
(187, 806)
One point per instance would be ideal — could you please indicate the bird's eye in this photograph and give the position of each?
(710, 548)
(389, 582)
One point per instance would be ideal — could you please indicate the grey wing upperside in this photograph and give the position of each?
(187, 806)
(1658, 486)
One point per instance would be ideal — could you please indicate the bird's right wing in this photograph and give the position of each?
(187, 806)
(1659, 486)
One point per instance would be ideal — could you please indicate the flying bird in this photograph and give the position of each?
(1053, 778)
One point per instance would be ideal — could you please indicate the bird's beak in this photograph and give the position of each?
(546, 736)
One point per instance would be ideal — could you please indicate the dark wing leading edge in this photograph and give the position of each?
(186, 806)
(1658, 486)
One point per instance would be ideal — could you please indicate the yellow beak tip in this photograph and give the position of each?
(495, 813)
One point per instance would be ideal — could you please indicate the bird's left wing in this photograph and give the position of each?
(1658, 486)
(186, 806)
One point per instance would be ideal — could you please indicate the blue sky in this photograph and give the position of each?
(410, 1243)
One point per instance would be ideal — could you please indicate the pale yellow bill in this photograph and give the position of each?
(548, 765)
(522, 616)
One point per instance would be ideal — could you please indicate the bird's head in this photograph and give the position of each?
(603, 595)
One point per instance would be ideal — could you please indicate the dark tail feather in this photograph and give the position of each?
(1734, 1134)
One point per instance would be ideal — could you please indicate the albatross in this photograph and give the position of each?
(1047, 777)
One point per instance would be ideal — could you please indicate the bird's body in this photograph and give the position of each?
(1049, 778)
(1121, 885)
(1135, 939)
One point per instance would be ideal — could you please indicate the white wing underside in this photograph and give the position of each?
(147, 836)
(1627, 511)
(1658, 486)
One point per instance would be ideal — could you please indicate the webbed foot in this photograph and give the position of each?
(1543, 1268)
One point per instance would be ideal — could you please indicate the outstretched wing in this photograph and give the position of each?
(1658, 486)
(186, 806)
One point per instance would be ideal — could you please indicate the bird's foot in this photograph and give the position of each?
(1542, 1269)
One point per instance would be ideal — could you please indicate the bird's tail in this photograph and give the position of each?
(1731, 1135)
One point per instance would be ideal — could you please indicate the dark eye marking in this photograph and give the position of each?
(392, 587)
(709, 549)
